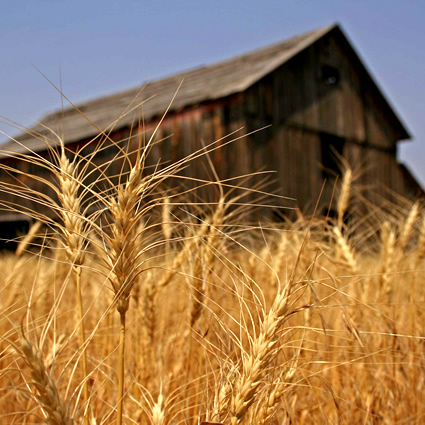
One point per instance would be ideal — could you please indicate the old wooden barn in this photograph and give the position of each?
(312, 92)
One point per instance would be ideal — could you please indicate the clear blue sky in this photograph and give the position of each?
(104, 46)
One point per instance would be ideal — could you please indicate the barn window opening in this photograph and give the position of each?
(332, 148)
(329, 75)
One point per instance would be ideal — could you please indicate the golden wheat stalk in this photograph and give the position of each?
(269, 406)
(344, 248)
(420, 250)
(73, 223)
(167, 228)
(127, 206)
(198, 285)
(223, 392)
(75, 237)
(272, 402)
(344, 197)
(29, 237)
(262, 352)
(158, 411)
(123, 259)
(408, 227)
(388, 244)
(55, 409)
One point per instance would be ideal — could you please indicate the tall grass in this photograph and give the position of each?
(140, 304)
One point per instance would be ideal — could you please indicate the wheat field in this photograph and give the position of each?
(142, 304)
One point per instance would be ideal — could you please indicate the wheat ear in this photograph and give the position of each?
(47, 395)
(158, 413)
(420, 251)
(73, 232)
(198, 286)
(345, 249)
(73, 223)
(408, 226)
(222, 394)
(344, 197)
(263, 351)
(268, 409)
(166, 223)
(29, 237)
(388, 242)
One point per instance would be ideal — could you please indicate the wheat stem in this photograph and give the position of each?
(120, 398)
(77, 273)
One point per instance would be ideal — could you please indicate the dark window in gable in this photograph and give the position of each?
(329, 75)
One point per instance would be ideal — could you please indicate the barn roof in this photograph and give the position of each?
(202, 84)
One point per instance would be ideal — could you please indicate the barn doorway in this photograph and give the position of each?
(9, 230)
(332, 148)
